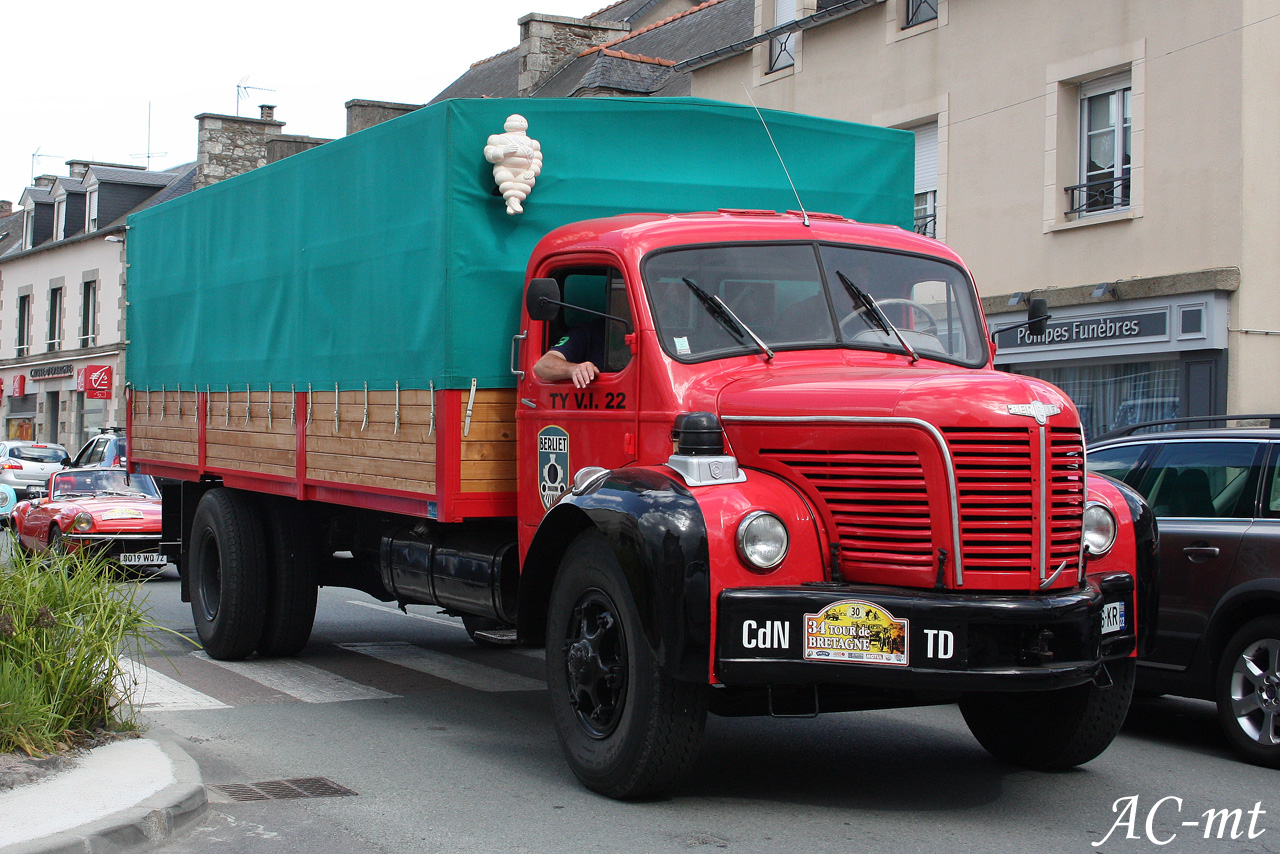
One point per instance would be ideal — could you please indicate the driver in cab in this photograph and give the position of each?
(576, 356)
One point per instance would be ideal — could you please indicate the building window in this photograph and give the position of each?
(1110, 395)
(782, 49)
(1106, 120)
(91, 211)
(60, 219)
(24, 324)
(920, 11)
(54, 341)
(89, 314)
(926, 221)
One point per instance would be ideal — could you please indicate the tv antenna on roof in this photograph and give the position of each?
(242, 91)
(149, 153)
(35, 163)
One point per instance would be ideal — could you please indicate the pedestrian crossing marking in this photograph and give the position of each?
(300, 681)
(448, 667)
(453, 622)
(152, 691)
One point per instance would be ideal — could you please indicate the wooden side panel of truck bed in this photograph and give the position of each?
(414, 452)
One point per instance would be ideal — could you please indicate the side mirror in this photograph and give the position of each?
(540, 290)
(1038, 316)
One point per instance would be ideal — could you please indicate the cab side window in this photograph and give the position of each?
(1215, 480)
(596, 289)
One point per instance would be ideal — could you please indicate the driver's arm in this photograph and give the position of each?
(553, 367)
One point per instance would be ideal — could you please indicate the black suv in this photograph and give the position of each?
(1216, 494)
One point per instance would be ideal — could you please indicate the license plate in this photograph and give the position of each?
(143, 559)
(1112, 617)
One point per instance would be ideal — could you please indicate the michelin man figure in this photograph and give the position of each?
(517, 162)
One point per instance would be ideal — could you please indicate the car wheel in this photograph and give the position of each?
(291, 581)
(627, 729)
(228, 579)
(1247, 691)
(57, 548)
(1052, 730)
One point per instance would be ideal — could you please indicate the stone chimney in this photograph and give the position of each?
(6, 207)
(232, 145)
(549, 41)
(268, 112)
(45, 182)
(363, 114)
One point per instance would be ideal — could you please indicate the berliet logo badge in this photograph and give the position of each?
(1035, 409)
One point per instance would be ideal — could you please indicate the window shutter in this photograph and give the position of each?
(926, 157)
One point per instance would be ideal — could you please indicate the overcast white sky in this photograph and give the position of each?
(80, 74)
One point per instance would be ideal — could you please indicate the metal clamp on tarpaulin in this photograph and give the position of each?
(431, 428)
(365, 422)
(396, 432)
(270, 401)
(162, 396)
(148, 403)
(471, 402)
(248, 414)
(336, 422)
(293, 405)
(208, 405)
(179, 401)
(308, 424)
(228, 413)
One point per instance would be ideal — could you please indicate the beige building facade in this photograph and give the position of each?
(1120, 158)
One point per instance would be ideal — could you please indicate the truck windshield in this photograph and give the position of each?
(798, 296)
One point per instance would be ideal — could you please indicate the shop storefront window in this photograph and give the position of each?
(1115, 395)
(91, 414)
(21, 423)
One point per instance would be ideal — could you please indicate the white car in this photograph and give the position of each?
(24, 464)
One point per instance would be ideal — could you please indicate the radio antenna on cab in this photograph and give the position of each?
(803, 213)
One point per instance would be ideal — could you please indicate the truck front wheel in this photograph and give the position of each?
(228, 577)
(627, 729)
(1052, 730)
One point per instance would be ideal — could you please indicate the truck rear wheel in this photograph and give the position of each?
(1052, 730)
(627, 729)
(291, 581)
(228, 578)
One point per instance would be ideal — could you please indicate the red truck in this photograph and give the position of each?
(798, 484)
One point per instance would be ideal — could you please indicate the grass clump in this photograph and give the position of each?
(65, 621)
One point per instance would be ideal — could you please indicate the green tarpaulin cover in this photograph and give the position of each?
(385, 256)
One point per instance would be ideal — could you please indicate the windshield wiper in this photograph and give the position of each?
(730, 321)
(874, 311)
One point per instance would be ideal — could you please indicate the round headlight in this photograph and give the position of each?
(762, 540)
(82, 522)
(1099, 529)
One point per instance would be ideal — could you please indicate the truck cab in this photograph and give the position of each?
(798, 480)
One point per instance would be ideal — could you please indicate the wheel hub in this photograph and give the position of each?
(595, 664)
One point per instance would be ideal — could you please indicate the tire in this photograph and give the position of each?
(291, 581)
(1247, 690)
(57, 547)
(228, 578)
(1052, 730)
(627, 729)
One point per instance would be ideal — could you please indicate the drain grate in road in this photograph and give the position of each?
(275, 790)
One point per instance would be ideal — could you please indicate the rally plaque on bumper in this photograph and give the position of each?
(855, 634)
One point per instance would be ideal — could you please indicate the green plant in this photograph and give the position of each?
(65, 622)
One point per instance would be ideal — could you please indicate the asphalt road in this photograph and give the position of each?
(449, 748)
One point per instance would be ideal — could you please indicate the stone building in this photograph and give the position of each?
(1113, 158)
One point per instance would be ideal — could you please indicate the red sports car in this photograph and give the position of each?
(103, 509)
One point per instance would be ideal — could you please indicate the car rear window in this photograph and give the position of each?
(34, 454)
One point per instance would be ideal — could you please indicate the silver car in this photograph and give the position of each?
(26, 464)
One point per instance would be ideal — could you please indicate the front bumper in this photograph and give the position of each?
(899, 638)
(116, 545)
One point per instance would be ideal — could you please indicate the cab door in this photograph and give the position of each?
(561, 428)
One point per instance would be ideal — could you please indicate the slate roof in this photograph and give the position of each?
(181, 181)
(11, 231)
(71, 185)
(639, 62)
(39, 195)
(140, 177)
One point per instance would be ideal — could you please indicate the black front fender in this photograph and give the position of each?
(657, 532)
